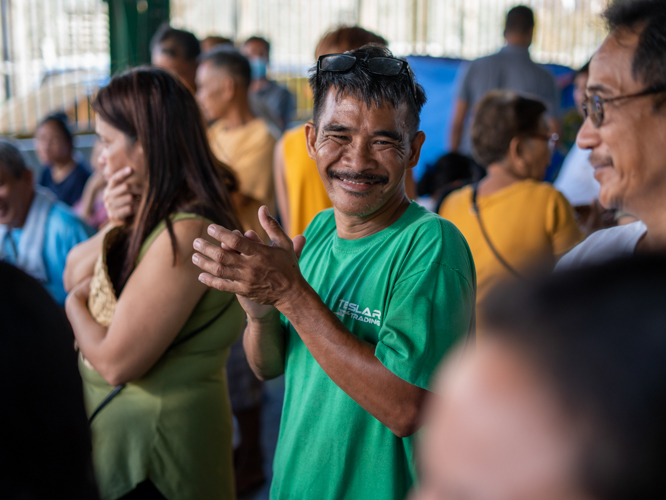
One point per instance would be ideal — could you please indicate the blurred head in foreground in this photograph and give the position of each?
(45, 447)
(566, 398)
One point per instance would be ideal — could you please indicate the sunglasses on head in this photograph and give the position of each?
(383, 66)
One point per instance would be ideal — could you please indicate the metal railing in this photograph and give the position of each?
(567, 31)
(55, 53)
(55, 56)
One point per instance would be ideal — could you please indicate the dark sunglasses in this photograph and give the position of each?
(384, 66)
(593, 106)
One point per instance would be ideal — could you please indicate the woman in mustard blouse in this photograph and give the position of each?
(162, 349)
(513, 222)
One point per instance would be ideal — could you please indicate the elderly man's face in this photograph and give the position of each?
(362, 154)
(15, 197)
(627, 150)
(495, 431)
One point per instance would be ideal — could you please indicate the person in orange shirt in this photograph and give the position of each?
(299, 190)
(241, 140)
(513, 222)
(237, 137)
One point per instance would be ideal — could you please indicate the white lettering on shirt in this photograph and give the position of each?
(359, 313)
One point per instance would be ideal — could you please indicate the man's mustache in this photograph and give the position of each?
(356, 177)
(598, 159)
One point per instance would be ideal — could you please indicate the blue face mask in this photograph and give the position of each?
(258, 68)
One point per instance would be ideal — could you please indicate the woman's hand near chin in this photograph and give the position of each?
(121, 198)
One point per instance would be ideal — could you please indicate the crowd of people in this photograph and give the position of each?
(500, 342)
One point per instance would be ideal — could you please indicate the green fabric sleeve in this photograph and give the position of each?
(429, 311)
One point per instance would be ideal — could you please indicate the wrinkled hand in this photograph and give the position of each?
(262, 276)
(121, 199)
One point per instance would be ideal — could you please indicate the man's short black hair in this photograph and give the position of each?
(364, 86)
(598, 335)
(187, 43)
(231, 61)
(519, 20)
(648, 19)
(12, 160)
(262, 40)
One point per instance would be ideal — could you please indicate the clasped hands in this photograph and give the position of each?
(263, 276)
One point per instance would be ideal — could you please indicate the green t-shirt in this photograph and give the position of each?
(410, 291)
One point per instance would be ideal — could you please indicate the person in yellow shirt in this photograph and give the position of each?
(245, 143)
(300, 191)
(236, 136)
(514, 224)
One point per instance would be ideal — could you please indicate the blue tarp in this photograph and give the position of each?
(440, 77)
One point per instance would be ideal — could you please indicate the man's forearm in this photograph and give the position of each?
(264, 345)
(351, 363)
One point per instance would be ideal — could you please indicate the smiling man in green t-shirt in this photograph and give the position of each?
(382, 290)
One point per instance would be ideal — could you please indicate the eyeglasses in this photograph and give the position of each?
(383, 66)
(552, 140)
(593, 107)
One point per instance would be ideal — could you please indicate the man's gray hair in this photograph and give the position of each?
(11, 159)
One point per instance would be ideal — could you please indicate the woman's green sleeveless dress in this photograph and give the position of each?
(172, 426)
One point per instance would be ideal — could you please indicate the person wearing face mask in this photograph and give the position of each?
(268, 100)
(511, 220)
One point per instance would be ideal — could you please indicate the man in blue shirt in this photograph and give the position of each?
(36, 231)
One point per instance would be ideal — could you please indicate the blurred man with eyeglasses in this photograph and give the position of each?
(625, 131)
(382, 289)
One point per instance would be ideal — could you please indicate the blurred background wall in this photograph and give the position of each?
(57, 53)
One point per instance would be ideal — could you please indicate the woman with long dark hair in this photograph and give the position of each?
(154, 340)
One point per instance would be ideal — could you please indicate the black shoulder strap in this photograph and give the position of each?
(116, 390)
(497, 255)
